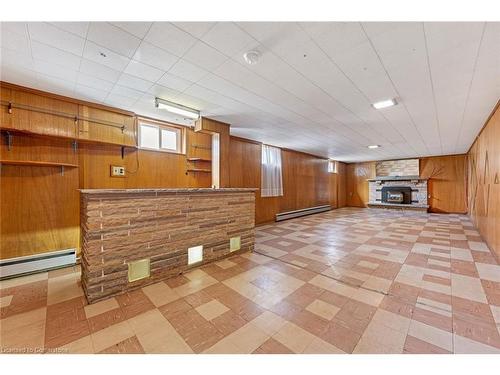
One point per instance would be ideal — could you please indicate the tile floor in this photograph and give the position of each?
(345, 281)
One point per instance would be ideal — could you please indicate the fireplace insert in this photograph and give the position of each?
(396, 194)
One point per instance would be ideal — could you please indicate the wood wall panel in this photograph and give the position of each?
(39, 210)
(447, 184)
(484, 182)
(42, 123)
(306, 181)
(100, 132)
(357, 175)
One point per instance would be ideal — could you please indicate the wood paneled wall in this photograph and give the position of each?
(484, 182)
(306, 181)
(446, 186)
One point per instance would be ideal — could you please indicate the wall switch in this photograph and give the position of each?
(117, 171)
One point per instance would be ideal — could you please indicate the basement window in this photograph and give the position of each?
(160, 137)
(332, 166)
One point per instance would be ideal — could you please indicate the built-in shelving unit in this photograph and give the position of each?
(199, 159)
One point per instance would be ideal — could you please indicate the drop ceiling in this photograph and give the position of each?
(311, 89)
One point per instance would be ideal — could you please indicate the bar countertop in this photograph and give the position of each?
(167, 190)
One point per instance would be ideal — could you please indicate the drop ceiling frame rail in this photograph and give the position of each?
(76, 118)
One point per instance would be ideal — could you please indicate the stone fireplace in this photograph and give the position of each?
(398, 185)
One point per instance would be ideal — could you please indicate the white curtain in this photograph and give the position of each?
(271, 176)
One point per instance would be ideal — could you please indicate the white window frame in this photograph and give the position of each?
(272, 172)
(162, 126)
(332, 166)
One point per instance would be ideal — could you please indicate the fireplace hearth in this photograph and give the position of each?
(396, 194)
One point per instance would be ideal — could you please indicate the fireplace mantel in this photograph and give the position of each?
(397, 178)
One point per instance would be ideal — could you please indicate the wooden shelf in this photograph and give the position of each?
(198, 159)
(199, 170)
(53, 136)
(37, 163)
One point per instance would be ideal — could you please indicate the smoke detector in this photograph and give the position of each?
(251, 57)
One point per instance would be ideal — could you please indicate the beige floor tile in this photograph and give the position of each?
(468, 288)
(160, 294)
(269, 322)
(368, 297)
(323, 309)
(248, 338)
(9, 283)
(318, 346)
(225, 264)
(367, 264)
(224, 346)
(488, 271)
(432, 335)
(378, 284)
(212, 309)
(157, 335)
(80, 346)
(199, 281)
(18, 321)
(5, 301)
(378, 338)
(25, 339)
(391, 320)
(294, 337)
(256, 258)
(101, 307)
(110, 336)
(63, 288)
(463, 345)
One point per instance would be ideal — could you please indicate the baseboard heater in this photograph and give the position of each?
(302, 212)
(36, 263)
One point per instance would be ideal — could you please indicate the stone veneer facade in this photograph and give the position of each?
(418, 193)
(121, 226)
(405, 167)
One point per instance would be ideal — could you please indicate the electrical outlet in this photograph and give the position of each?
(117, 171)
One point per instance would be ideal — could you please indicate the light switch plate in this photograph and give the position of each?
(117, 171)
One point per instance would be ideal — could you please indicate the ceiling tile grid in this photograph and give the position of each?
(311, 89)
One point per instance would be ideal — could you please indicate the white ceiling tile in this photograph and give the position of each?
(15, 37)
(203, 55)
(132, 82)
(110, 59)
(138, 29)
(174, 82)
(143, 71)
(228, 38)
(99, 71)
(196, 29)
(184, 69)
(78, 28)
(94, 82)
(170, 38)
(12, 59)
(113, 38)
(155, 56)
(47, 53)
(90, 93)
(56, 71)
(55, 37)
(126, 92)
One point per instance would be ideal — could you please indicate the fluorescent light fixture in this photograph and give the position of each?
(373, 146)
(177, 109)
(384, 103)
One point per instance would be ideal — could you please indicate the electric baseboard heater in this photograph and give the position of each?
(36, 263)
(302, 212)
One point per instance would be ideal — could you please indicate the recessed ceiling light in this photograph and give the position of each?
(251, 57)
(373, 146)
(384, 103)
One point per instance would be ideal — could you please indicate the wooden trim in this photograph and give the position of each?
(415, 157)
(65, 98)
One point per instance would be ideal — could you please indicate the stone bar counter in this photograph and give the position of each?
(134, 237)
